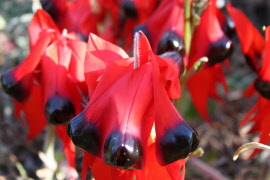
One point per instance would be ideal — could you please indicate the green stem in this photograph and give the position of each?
(49, 149)
(187, 37)
(49, 141)
(187, 25)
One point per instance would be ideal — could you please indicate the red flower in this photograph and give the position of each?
(49, 81)
(259, 114)
(168, 18)
(132, 94)
(208, 41)
(251, 40)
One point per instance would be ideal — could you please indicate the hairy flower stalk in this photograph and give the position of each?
(136, 50)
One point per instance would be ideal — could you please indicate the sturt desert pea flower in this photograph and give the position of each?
(256, 51)
(169, 19)
(252, 42)
(132, 94)
(49, 81)
(75, 16)
(208, 41)
(259, 114)
(152, 169)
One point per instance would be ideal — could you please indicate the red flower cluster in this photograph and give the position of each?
(256, 50)
(130, 127)
(49, 82)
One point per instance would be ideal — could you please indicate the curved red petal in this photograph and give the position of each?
(169, 71)
(265, 68)
(175, 139)
(99, 53)
(17, 81)
(36, 120)
(41, 21)
(57, 98)
(251, 40)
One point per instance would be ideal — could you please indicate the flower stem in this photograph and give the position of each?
(49, 149)
(187, 25)
(187, 37)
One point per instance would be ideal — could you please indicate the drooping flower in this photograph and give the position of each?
(48, 83)
(259, 114)
(256, 51)
(169, 19)
(251, 40)
(208, 41)
(132, 95)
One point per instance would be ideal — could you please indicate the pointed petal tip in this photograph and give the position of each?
(18, 89)
(59, 110)
(141, 48)
(84, 135)
(177, 143)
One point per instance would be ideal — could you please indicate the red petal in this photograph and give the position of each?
(57, 98)
(265, 68)
(55, 65)
(249, 114)
(261, 123)
(76, 66)
(29, 64)
(17, 81)
(153, 170)
(249, 90)
(99, 53)
(36, 120)
(41, 21)
(250, 38)
(76, 70)
(202, 86)
(174, 138)
(169, 71)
